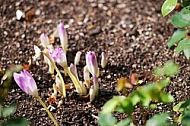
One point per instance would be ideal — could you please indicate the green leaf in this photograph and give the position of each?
(144, 94)
(168, 6)
(159, 71)
(185, 104)
(169, 69)
(185, 118)
(158, 120)
(185, 121)
(110, 105)
(183, 44)
(19, 121)
(153, 106)
(124, 122)
(179, 118)
(163, 83)
(187, 53)
(127, 106)
(182, 19)
(166, 97)
(186, 3)
(134, 98)
(178, 107)
(176, 37)
(106, 120)
(9, 110)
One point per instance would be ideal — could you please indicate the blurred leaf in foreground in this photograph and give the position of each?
(158, 120)
(168, 6)
(169, 69)
(19, 121)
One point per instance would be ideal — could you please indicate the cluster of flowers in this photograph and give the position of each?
(53, 56)
(57, 55)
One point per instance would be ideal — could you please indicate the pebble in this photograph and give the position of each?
(17, 45)
(37, 12)
(77, 37)
(80, 23)
(66, 26)
(23, 36)
(71, 21)
(111, 43)
(109, 76)
(5, 33)
(20, 52)
(131, 26)
(81, 34)
(147, 33)
(122, 5)
(93, 4)
(19, 14)
(49, 21)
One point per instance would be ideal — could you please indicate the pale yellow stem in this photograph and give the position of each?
(63, 91)
(47, 110)
(74, 80)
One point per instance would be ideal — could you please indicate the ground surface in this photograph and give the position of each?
(132, 32)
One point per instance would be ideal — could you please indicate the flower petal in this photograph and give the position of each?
(26, 82)
(63, 36)
(91, 63)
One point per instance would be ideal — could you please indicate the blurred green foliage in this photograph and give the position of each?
(6, 77)
(146, 96)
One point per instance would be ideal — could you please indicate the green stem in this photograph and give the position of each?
(47, 110)
(74, 80)
(58, 72)
(1, 111)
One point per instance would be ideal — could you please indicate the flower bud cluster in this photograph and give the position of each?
(57, 55)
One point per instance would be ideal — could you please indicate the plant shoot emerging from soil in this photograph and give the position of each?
(27, 83)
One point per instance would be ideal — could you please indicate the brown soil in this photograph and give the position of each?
(132, 32)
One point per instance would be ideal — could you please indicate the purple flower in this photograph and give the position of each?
(92, 64)
(44, 40)
(59, 56)
(63, 36)
(26, 82)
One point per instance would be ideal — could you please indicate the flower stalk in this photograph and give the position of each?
(27, 83)
(47, 110)
(76, 82)
(63, 90)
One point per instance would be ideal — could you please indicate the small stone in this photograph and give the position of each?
(111, 43)
(37, 12)
(81, 34)
(5, 33)
(109, 76)
(146, 33)
(134, 66)
(17, 45)
(16, 33)
(49, 21)
(80, 23)
(23, 36)
(122, 5)
(19, 14)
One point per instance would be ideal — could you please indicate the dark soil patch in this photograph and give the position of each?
(132, 32)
